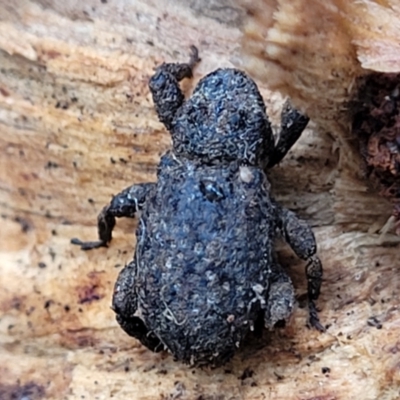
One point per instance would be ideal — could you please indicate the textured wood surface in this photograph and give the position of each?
(77, 125)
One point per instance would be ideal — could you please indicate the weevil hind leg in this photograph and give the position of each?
(280, 300)
(125, 305)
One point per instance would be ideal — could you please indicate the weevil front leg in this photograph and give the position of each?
(124, 204)
(293, 124)
(164, 86)
(301, 239)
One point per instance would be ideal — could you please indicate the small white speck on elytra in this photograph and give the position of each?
(245, 174)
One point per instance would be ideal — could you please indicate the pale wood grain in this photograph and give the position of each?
(77, 125)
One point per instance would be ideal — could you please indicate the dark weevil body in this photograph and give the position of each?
(204, 268)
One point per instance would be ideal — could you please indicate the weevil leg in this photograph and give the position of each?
(125, 304)
(301, 239)
(293, 124)
(164, 86)
(281, 298)
(124, 204)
